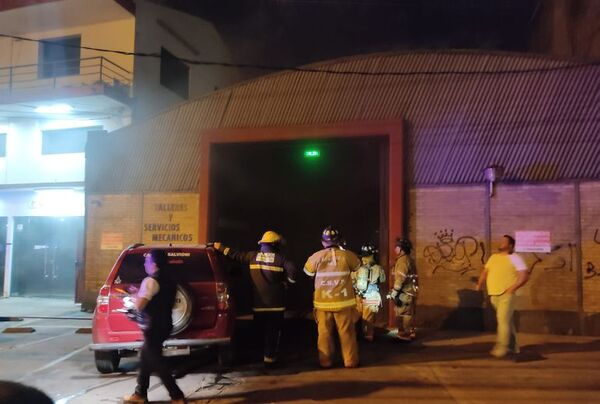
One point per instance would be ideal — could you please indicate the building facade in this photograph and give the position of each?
(53, 92)
(434, 122)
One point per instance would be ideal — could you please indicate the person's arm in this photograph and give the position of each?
(148, 289)
(400, 272)
(290, 271)
(353, 261)
(522, 273)
(310, 267)
(242, 257)
(482, 279)
(522, 278)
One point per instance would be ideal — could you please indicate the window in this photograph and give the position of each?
(2, 144)
(183, 266)
(174, 74)
(65, 140)
(59, 57)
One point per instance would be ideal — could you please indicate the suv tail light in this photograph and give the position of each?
(102, 299)
(222, 296)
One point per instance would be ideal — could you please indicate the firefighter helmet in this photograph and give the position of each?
(404, 244)
(368, 249)
(270, 237)
(331, 236)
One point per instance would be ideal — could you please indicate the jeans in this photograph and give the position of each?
(151, 360)
(506, 337)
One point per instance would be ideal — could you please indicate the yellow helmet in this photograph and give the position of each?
(270, 237)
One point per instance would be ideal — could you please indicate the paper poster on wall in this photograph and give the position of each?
(111, 241)
(533, 241)
(170, 219)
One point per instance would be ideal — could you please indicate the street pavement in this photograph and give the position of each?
(441, 366)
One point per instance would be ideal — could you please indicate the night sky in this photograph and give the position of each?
(295, 32)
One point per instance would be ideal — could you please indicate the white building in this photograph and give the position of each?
(52, 92)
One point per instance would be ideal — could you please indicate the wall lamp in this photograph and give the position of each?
(492, 174)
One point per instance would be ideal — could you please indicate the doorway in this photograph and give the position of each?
(353, 136)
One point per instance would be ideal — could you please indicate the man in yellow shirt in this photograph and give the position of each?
(504, 273)
(334, 300)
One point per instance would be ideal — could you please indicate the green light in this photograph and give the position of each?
(312, 154)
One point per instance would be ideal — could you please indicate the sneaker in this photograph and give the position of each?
(498, 353)
(135, 398)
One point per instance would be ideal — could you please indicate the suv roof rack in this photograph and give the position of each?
(136, 245)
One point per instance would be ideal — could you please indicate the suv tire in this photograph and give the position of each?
(107, 361)
(182, 310)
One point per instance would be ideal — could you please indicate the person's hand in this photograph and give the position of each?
(511, 290)
(393, 293)
(478, 287)
(217, 245)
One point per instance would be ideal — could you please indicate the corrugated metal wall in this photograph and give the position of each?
(537, 117)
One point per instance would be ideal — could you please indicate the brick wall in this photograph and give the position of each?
(108, 214)
(549, 301)
(590, 259)
(114, 222)
(447, 227)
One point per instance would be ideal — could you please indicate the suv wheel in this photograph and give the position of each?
(182, 310)
(107, 361)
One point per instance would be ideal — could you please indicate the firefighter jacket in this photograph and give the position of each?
(269, 272)
(332, 268)
(405, 275)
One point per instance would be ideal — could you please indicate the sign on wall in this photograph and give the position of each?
(533, 241)
(170, 219)
(111, 241)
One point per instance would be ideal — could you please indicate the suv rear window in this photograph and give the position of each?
(185, 266)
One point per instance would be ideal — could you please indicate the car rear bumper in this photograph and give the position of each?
(177, 343)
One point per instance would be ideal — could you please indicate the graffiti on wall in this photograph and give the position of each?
(462, 255)
(561, 257)
(592, 269)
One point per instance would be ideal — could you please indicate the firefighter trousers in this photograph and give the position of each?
(270, 323)
(367, 317)
(344, 322)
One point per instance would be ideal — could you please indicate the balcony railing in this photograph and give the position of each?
(65, 74)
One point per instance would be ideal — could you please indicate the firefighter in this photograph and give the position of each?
(334, 300)
(270, 272)
(405, 289)
(366, 284)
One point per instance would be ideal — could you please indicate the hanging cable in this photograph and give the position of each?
(196, 62)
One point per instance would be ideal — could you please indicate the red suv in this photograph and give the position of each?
(203, 314)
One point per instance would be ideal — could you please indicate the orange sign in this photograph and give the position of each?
(111, 241)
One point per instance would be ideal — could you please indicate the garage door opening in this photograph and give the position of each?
(297, 188)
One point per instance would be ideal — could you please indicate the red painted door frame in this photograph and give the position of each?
(392, 130)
